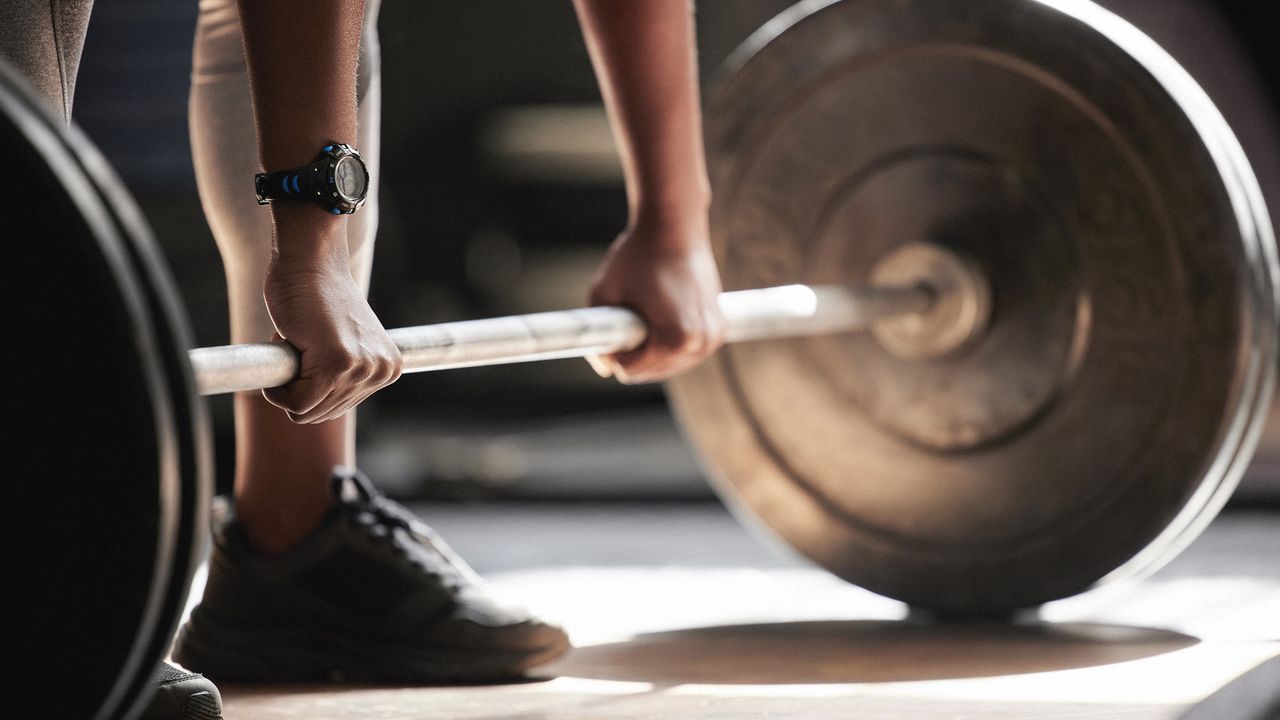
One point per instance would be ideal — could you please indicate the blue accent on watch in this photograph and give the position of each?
(323, 191)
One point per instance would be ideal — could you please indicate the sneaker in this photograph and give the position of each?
(372, 595)
(182, 695)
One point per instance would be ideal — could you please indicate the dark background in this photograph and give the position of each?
(462, 236)
(465, 232)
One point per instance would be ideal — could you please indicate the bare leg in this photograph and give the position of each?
(282, 469)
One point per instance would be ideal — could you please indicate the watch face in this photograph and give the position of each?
(350, 178)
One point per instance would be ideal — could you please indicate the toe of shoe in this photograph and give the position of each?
(193, 697)
(511, 635)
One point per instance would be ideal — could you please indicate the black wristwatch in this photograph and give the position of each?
(338, 181)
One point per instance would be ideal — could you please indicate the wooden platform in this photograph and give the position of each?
(678, 613)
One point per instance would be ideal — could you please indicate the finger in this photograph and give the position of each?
(603, 365)
(321, 410)
(644, 365)
(333, 413)
(333, 407)
(599, 295)
(343, 406)
(631, 367)
(347, 393)
(300, 396)
(671, 353)
(340, 404)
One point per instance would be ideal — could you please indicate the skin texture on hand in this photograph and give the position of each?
(668, 275)
(643, 52)
(345, 353)
(302, 57)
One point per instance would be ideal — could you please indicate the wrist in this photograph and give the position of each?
(679, 225)
(671, 198)
(687, 208)
(304, 233)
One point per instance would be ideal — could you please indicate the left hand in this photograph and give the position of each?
(666, 273)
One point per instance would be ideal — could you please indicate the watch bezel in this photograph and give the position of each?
(337, 186)
(339, 201)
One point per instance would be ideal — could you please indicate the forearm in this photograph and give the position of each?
(302, 57)
(645, 59)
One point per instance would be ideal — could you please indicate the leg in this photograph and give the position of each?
(42, 39)
(313, 579)
(282, 469)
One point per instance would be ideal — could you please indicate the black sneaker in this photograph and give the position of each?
(182, 695)
(372, 595)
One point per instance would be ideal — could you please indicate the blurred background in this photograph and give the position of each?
(500, 191)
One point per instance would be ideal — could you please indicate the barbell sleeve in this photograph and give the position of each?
(785, 311)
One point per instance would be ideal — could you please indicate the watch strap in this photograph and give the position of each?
(294, 184)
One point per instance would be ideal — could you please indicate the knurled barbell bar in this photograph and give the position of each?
(936, 304)
(1074, 406)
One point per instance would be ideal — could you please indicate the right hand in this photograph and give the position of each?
(317, 307)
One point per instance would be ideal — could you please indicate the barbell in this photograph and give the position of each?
(927, 302)
(1054, 241)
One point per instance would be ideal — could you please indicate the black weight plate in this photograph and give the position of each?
(92, 429)
(191, 423)
(1116, 398)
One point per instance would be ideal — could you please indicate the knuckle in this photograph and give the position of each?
(334, 366)
(391, 368)
(364, 370)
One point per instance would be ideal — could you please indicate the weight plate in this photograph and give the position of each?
(1204, 37)
(192, 429)
(1112, 404)
(98, 478)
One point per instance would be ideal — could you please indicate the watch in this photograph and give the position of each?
(337, 181)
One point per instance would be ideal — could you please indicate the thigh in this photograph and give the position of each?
(42, 39)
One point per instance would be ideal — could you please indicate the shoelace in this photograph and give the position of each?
(353, 489)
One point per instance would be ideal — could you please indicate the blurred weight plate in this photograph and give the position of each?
(1204, 36)
(91, 435)
(192, 429)
(1113, 403)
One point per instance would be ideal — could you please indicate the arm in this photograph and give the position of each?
(302, 57)
(661, 265)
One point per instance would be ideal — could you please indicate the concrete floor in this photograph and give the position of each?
(678, 612)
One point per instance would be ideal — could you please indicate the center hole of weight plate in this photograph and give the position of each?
(1002, 336)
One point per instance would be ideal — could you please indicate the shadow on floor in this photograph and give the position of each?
(862, 652)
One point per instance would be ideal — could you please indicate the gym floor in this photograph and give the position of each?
(678, 611)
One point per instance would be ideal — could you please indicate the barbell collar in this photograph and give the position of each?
(777, 312)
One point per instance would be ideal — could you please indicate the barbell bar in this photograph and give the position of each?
(938, 281)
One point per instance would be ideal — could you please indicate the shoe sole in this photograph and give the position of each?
(243, 657)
